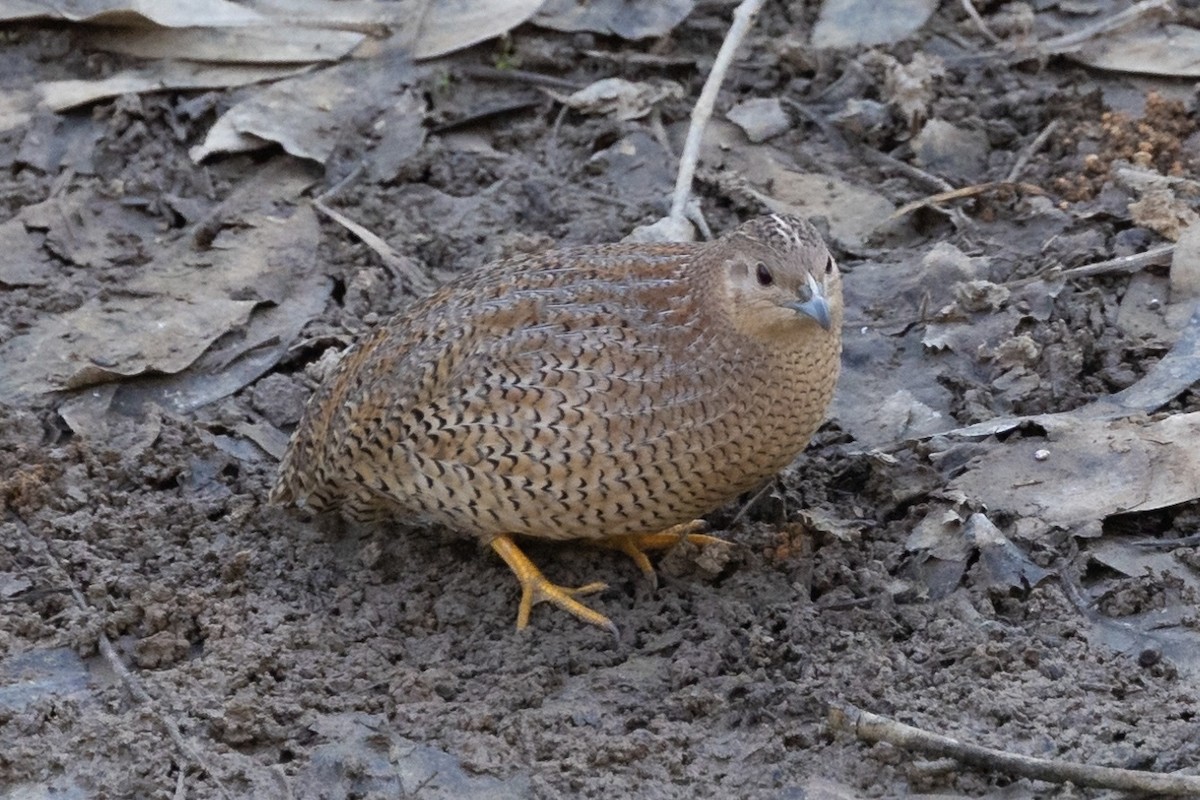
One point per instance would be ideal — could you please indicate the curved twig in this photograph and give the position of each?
(875, 728)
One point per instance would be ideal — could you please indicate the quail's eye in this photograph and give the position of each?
(829, 266)
(764, 275)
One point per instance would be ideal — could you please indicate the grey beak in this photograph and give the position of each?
(816, 306)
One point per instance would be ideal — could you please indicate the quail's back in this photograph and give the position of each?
(585, 393)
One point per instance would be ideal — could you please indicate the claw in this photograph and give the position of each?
(635, 545)
(536, 588)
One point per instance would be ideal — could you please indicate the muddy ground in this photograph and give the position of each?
(307, 658)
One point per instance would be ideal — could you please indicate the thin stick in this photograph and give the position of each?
(520, 76)
(399, 266)
(1029, 152)
(1131, 263)
(351, 176)
(928, 180)
(831, 133)
(966, 191)
(660, 132)
(874, 728)
(768, 486)
(743, 16)
(640, 59)
(969, 7)
(1073, 41)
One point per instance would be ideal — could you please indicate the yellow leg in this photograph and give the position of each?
(535, 588)
(635, 545)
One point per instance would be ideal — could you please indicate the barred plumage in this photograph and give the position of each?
(587, 393)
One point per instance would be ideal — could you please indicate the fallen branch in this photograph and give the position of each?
(1135, 262)
(675, 226)
(966, 191)
(1133, 15)
(875, 728)
(520, 76)
(928, 180)
(1029, 152)
(1131, 263)
(969, 7)
(743, 16)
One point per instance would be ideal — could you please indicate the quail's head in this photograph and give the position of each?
(781, 281)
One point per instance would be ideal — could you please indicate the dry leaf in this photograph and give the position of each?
(939, 549)
(622, 18)
(761, 118)
(173, 310)
(159, 77)
(167, 13)
(1128, 558)
(1089, 469)
(1175, 372)
(1001, 563)
(1172, 50)
(22, 262)
(450, 25)
(853, 23)
(273, 44)
(308, 114)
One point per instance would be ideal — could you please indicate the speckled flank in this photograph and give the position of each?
(579, 393)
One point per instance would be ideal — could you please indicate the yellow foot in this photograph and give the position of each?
(535, 588)
(635, 545)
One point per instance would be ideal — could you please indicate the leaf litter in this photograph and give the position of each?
(183, 302)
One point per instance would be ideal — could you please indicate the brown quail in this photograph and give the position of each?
(610, 393)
